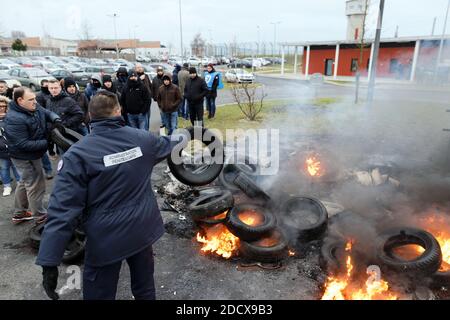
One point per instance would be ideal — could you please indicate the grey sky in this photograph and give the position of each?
(219, 19)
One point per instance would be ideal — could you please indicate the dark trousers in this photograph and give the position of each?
(196, 112)
(211, 106)
(100, 283)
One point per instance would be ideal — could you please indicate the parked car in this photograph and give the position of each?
(10, 81)
(240, 63)
(102, 70)
(25, 62)
(167, 67)
(7, 64)
(48, 66)
(81, 78)
(239, 76)
(30, 77)
(193, 61)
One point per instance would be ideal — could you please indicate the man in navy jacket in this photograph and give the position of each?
(104, 179)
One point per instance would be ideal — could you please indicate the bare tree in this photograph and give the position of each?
(16, 34)
(362, 45)
(248, 101)
(86, 30)
(198, 45)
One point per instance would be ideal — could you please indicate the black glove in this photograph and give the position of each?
(57, 124)
(50, 281)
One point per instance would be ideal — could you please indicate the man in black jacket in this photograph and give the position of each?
(135, 101)
(72, 91)
(64, 106)
(44, 94)
(195, 92)
(157, 82)
(26, 132)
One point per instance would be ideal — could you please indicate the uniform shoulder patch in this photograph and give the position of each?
(122, 157)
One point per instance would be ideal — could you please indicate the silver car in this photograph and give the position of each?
(30, 77)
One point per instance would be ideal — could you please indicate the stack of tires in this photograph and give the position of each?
(261, 242)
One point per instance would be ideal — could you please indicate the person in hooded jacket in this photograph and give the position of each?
(175, 74)
(109, 85)
(212, 79)
(93, 87)
(122, 78)
(140, 71)
(64, 106)
(183, 77)
(169, 98)
(157, 82)
(44, 94)
(135, 101)
(195, 92)
(72, 91)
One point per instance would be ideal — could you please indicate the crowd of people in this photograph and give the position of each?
(180, 94)
(92, 184)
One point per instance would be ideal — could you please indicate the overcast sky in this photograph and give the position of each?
(221, 20)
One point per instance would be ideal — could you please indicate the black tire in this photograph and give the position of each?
(74, 250)
(311, 212)
(330, 252)
(212, 220)
(197, 177)
(425, 265)
(230, 172)
(211, 205)
(66, 140)
(35, 234)
(257, 252)
(249, 187)
(246, 232)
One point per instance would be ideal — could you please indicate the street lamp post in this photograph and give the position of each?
(441, 44)
(181, 35)
(274, 36)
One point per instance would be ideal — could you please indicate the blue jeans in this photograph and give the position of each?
(46, 164)
(183, 109)
(136, 120)
(147, 121)
(5, 166)
(211, 106)
(170, 121)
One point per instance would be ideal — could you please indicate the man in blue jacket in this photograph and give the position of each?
(26, 134)
(104, 179)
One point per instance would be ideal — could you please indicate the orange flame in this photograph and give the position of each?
(438, 225)
(291, 253)
(343, 288)
(313, 167)
(219, 240)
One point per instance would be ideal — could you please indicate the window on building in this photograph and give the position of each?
(393, 66)
(354, 65)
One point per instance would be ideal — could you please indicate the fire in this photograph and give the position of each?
(344, 288)
(313, 166)
(251, 218)
(291, 253)
(438, 225)
(219, 240)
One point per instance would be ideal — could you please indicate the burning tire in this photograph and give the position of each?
(194, 175)
(66, 140)
(329, 253)
(249, 187)
(305, 217)
(271, 248)
(250, 222)
(440, 279)
(211, 205)
(426, 264)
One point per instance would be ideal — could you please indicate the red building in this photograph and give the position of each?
(401, 58)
